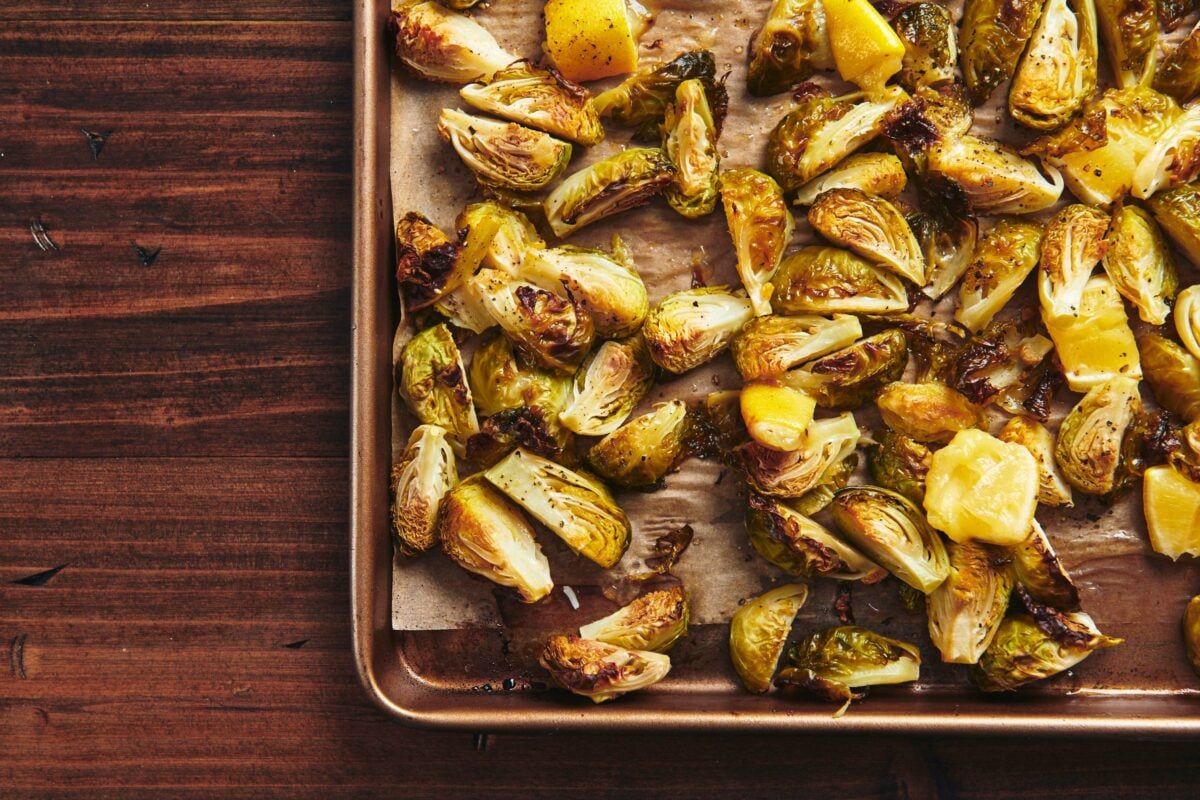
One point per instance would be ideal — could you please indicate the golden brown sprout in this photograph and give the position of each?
(1004, 256)
(1178, 212)
(539, 98)
(1129, 29)
(759, 631)
(1089, 440)
(776, 416)
(872, 228)
(791, 44)
(1072, 245)
(443, 46)
(620, 182)
(1095, 343)
(1179, 75)
(690, 141)
(994, 36)
(1038, 570)
(894, 533)
(433, 270)
(769, 346)
(930, 45)
(831, 662)
(948, 243)
(880, 174)
(504, 154)
(641, 452)
(829, 280)
(609, 291)
(1035, 437)
(514, 237)
(990, 177)
(1139, 263)
(432, 381)
(1174, 159)
(655, 621)
(642, 99)
(424, 474)
(1173, 374)
(927, 412)
(500, 381)
(825, 445)
(547, 328)
(1023, 651)
(900, 464)
(1058, 71)
(1187, 318)
(688, 328)
(608, 386)
(849, 377)
(800, 546)
(966, 610)
(599, 671)
(719, 426)
(761, 226)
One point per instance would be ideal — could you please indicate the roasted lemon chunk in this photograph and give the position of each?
(866, 50)
(776, 416)
(1095, 344)
(1172, 505)
(590, 39)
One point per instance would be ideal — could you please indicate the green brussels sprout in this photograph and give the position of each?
(642, 99)
(769, 346)
(828, 280)
(832, 662)
(759, 630)
(966, 609)
(825, 445)
(514, 234)
(880, 174)
(1004, 256)
(948, 242)
(432, 381)
(1053, 489)
(500, 381)
(548, 329)
(424, 474)
(821, 131)
(484, 533)
(870, 227)
(1191, 633)
(655, 621)
(538, 98)
(849, 377)
(1041, 574)
(801, 546)
(1072, 244)
(761, 226)
(1058, 72)
(690, 141)
(930, 45)
(1173, 160)
(1178, 213)
(791, 44)
(894, 533)
(504, 154)
(1139, 263)
(620, 182)
(611, 293)
(599, 671)
(1088, 450)
(608, 386)
(927, 412)
(1187, 318)
(900, 463)
(990, 177)
(641, 452)
(691, 327)
(575, 506)
(440, 45)
(1129, 29)
(1172, 12)
(1024, 651)
(820, 496)
(994, 36)
(1173, 374)
(1179, 74)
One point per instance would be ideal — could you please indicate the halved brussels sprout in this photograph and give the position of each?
(642, 99)
(829, 280)
(575, 506)
(1173, 374)
(820, 496)
(433, 270)
(719, 427)
(1178, 212)
(880, 174)
(759, 630)
(776, 416)
(927, 412)
(1191, 633)
(443, 46)
(620, 182)
(801, 546)
(642, 451)
(655, 621)
(761, 226)
(424, 474)
(690, 141)
(532, 427)
(825, 445)
(484, 533)
(791, 44)
(1058, 71)
(831, 662)
(1179, 75)
(948, 243)
(872, 228)
(549, 329)
(499, 381)
(966, 609)
(1072, 244)
(1088, 450)
(539, 98)
(1095, 343)
(1139, 263)
(609, 292)
(1129, 29)
(900, 463)
(1174, 159)
(930, 45)
(1035, 437)
(1038, 570)
(688, 328)
(1024, 650)
(1003, 257)
(990, 177)
(432, 381)
(608, 386)
(504, 154)
(1187, 318)
(599, 671)
(849, 377)
(515, 235)
(769, 346)
(994, 36)
(893, 532)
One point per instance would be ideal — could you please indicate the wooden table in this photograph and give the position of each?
(173, 441)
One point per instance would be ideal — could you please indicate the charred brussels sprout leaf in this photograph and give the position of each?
(990, 177)
(1058, 72)
(892, 531)
(608, 386)
(600, 671)
(690, 141)
(1179, 75)
(1172, 12)
(1140, 264)
(769, 346)
(880, 174)
(1187, 318)
(948, 243)
(428, 263)
(900, 464)
(530, 427)
(791, 45)
(549, 329)
(851, 376)
(1129, 29)
(1053, 489)
(433, 383)
(1041, 574)
(539, 98)
(826, 444)
(930, 45)
(620, 182)
(758, 633)
(761, 226)
(966, 610)
(1088, 450)
(829, 280)
(1072, 245)
(927, 412)
(642, 451)
(1191, 633)
(800, 546)
(1173, 374)
(1024, 651)
(1003, 257)
(655, 621)
(1178, 212)
(500, 381)
(832, 662)
(443, 46)
(1173, 160)
(642, 99)
(994, 36)
(424, 474)
(504, 154)
(688, 328)
(718, 427)
(608, 291)
(870, 227)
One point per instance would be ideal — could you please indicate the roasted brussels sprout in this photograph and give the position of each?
(655, 621)
(514, 234)
(990, 177)
(1172, 12)
(849, 377)
(880, 174)
(1072, 245)
(769, 346)
(432, 381)
(866, 50)
(1024, 650)
(424, 474)
(1003, 257)
(893, 532)
(1174, 159)
(820, 496)
(948, 243)
(1178, 212)
(1058, 71)
(800, 546)
(930, 45)
(1088, 450)
(927, 412)
(443, 46)
(826, 444)
(1041, 574)
(688, 328)
(1179, 75)
(484, 533)
(499, 381)
(791, 44)
(994, 36)
(718, 425)
(433, 270)
(831, 662)
(608, 386)
(761, 226)
(829, 280)
(1129, 29)
(573, 505)
(1053, 489)
(966, 609)
(1139, 263)
(1191, 633)
(870, 227)
(1095, 343)
(690, 141)
(759, 630)
(539, 98)
(643, 98)
(620, 182)
(900, 463)
(1173, 374)
(776, 416)
(599, 671)
(551, 330)
(1187, 318)
(532, 427)
(609, 292)
(1171, 501)
(642, 451)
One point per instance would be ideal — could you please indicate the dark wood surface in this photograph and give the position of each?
(174, 437)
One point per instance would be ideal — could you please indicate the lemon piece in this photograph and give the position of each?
(776, 416)
(590, 39)
(1095, 344)
(981, 488)
(1172, 504)
(865, 48)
